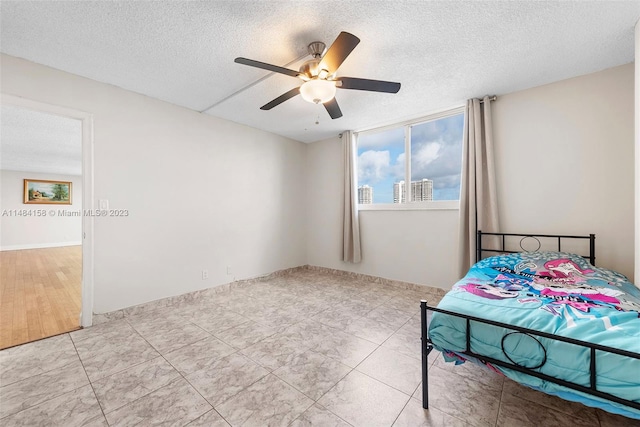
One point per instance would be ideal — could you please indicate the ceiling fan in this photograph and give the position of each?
(318, 74)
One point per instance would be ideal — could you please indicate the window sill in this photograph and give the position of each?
(418, 206)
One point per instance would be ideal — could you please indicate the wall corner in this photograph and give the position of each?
(636, 279)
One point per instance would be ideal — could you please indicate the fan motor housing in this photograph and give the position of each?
(316, 49)
(311, 68)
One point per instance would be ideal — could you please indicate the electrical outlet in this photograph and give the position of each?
(228, 269)
(205, 274)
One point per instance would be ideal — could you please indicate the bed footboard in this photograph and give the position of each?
(427, 347)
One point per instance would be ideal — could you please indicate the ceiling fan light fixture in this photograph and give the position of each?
(318, 91)
(319, 75)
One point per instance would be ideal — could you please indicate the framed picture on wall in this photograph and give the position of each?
(38, 191)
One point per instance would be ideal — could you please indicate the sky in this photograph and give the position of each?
(436, 154)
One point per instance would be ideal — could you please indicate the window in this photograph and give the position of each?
(425, 153)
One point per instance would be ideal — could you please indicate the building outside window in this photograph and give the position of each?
(421, 191)
(365, 195)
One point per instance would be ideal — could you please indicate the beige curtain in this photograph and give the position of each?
(478, 199)
(351, 225)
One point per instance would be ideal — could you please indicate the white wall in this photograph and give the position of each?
(564, 156)
(205, 193)
(26, 232)
(413, 246)
(202, 192)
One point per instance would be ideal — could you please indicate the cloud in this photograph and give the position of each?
(437, 161)
(373, 166)
(448, 130)
(382, 139)
(449, 181)
(437, 152)
(425, 154)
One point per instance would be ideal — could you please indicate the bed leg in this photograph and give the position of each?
(425, 354)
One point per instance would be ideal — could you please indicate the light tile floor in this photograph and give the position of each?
(305, 349)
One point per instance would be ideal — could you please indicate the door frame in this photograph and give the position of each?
(86, 311)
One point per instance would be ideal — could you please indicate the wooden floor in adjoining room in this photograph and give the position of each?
(40, 293)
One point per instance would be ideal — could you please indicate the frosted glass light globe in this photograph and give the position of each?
(318, 91)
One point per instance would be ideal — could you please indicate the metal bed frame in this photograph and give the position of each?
(427, 345)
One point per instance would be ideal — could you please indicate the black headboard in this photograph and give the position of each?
(503, 248)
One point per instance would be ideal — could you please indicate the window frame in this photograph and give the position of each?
(407, 125)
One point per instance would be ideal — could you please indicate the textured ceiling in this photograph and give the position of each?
(32, 141)
(442, 52)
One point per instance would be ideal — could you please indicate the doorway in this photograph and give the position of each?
(45, 238)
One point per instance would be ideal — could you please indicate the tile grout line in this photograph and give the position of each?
(213, 408)
(401, 411)
(361, 291)
(138, 364)
(41, 373)
(500, 405)
(369, 355)
(352, 369)
(46, 372)
(170, 382)
(93, 390)
(331, 388)
(180, 373)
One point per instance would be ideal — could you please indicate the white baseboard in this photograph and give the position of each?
(39, 246)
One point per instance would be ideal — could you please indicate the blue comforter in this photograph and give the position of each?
(553, 292)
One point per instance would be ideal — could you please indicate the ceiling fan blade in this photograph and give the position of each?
(333, 109)
(366, 84)
(265, 66)
(279, 100)
(338, 52)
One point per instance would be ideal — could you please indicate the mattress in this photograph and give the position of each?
(557, 293)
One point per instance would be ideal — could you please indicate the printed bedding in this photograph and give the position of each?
(553, 292)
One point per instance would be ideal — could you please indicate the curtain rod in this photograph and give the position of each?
(491, 98)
